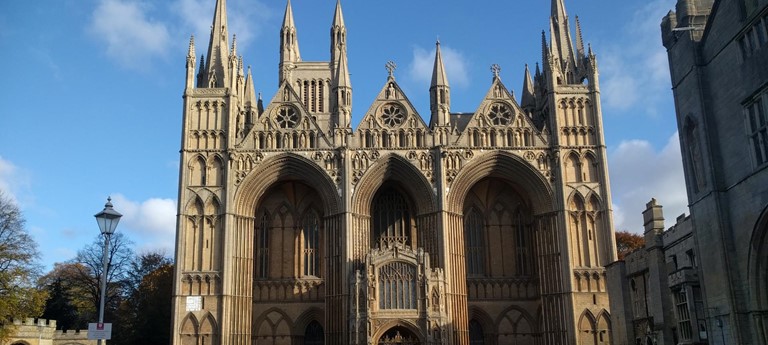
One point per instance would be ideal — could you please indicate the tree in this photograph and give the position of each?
(19, 296)
(142, 315)
(627, 242)
(89, 266)
(67, 301)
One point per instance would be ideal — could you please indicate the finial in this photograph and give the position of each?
(109, 202)
(391, 67)
(495, 68)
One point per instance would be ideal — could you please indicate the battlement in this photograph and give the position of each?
(35, 322)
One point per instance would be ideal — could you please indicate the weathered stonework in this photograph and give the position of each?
(295, 228)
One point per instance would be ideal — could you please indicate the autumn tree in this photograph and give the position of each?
(89, 267)
(68, 302)
(144, 313)
(19, 295)
(627, 242)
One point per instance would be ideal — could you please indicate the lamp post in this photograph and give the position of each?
(107, 219)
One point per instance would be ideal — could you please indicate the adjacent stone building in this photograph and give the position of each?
(655, 292)
(43, 332)
(718, 56)
(488, 227)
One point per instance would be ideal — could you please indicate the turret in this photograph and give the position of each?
(338, 37)
(191, 60)
(217, 68)
(342, 90)
(528, 102)
(289, 44)
(439, 93)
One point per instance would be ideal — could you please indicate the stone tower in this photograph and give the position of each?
(490, 227)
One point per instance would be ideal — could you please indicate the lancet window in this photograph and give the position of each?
(313, 335)
(476, 333)
(310, 234)
(474, 229)
(391, 218)
(397, 286)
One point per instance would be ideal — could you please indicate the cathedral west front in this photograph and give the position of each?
(295, 227)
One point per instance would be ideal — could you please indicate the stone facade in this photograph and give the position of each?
(43, 332)
(655, 291)
(718, 53)
(490, 227)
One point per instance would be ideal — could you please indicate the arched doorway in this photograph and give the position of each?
(398, 335)
(313, 335)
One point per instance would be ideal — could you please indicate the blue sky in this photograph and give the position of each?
(90, 102)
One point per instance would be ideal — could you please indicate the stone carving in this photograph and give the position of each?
(243, 163)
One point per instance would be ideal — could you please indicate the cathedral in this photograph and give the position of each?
(489, 227)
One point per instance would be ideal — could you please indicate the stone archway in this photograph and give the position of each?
(398, 335)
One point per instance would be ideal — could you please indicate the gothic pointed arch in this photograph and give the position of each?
(310, 315)
(503, 165)
(604, 330)
(215, 175)
(394, 168)
(285, 167)
(516, 326)
(587, 328)
(589, 168)
(573, 167)
(272, 325)
(197, 171)
(486, 324)
(410, 333)
(189, 330)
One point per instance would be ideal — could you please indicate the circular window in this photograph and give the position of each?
(287, 117)
(500, 114)
(392, 115)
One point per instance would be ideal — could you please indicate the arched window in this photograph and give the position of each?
(262, 247)
(476, 333)
(391, 218)
(474, 237)
(310, 234)
(397, 286)
(313, 335)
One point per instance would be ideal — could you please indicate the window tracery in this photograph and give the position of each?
(392, 115)
(500, 114)
(391, 219)
(397, 286)
(287, 117)
(474, 228)
(311, 240)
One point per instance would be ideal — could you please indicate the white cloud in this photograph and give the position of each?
(638, 71)
(424, 62)
(14, 183)
(639, 173)
(152, 223)
(243, 17)
(130, 35)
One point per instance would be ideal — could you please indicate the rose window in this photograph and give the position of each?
(500, 114)
(287, 117)
(392, 115)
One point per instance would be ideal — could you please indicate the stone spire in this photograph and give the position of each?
(250, 93)
(528, 101)
(191, 60)
(217, 69)
(561, 46)
(579, 41)
(343, 93)
(338, 37)
(289, 42)
(439, 92)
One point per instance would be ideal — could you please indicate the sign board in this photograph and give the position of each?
(194, 303)
(100, 331)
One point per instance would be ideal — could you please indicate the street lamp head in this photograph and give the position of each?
(108, 218)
